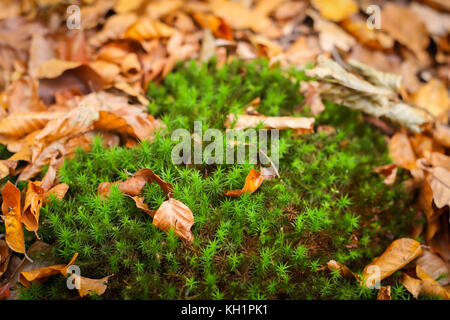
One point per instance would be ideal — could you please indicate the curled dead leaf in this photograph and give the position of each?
(33, 202)
(384, 293)
(252, 182)
(298, 124)
(42, 274)
(13, 218)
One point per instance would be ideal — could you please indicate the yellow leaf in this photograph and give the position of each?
(336, 10)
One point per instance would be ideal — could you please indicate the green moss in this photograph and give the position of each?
(267, 245)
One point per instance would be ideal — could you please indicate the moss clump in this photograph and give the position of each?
(265, 245)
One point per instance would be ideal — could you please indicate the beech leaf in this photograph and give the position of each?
(13, 218)
(252, 182)
(173, 214)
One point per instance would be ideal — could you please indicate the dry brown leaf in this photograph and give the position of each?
(389, 172)
(336, 10)
(5, 255)
(431, 287)
(239, 17)
(343, 269)
(13, 218)
(19, 124)
(438, 159)
(384, 293)
(42, 274)
(433, 96)
(90, 286)
(414, 286)
(33, 202)
(442, 134)
(59, 191)
(375, 94)
(157, 9)
(405, 26)
(113, 28)
(22, 96)
(146, 29)
(399, 253)
(217, 25)
(299, 124)
(312, 97)
(440, 184)
(55, 67)
(150, 177)
(143, 206)
(401, 152)
(173, 214)
(252, 182)
(435, 267)
(4, 170)
(372, 38)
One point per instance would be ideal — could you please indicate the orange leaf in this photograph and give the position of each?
(343, 270)
(33, 202)
(5, 254)
(141, 205)
(396, 256)
(252, 183)
(42, 274)
(401, 151)
(4, 291)
(59, 191)
(384, 293)
(431, 287)
(150, 177)
(13, 218)
(89, 286)
(411, 284)
(173, 214)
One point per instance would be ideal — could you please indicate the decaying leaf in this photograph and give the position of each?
(13, 218)
(389, 172)
(384, 293)
(142, 205)
(5, 255)
(90, 286)
(433, 96)
(173, 214)
(59, 191)
(42, 274)
(401, 151)
(440, 184)
(399, 253)
(369, 96)
(413, 285)
(431, 287)
(434, 266)
(343, 269)
(336, 10)
(298, 124)
(252, 182)
(33, 202)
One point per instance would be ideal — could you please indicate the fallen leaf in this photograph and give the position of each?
(55, 67)
(389, 172)
(13, 218)
(143, 206)
(413, 285)
(173, 214)
(442, 134)
(405, 26)
(335, 10)
(384, 293)
(90, 286)
(399, 253)
(440, 184)
(343, 269)
(433, 97)
(312, 97)
(150, 177)
(401, 152)
(299, 124)
(431, 287)
(59, 191)
(438, 159)
(145, 29)
(19, 124)
(5, 255)
(252, 182)
(33, 202)
(434, 266)
(42, 274)
(374, 95)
